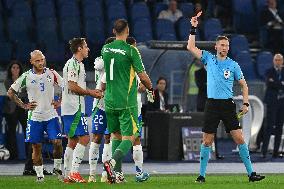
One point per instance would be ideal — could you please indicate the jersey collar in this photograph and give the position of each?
(44, 70)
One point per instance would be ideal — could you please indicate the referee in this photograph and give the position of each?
(221, 73)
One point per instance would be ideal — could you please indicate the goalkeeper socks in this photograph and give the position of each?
(138, 158)
(115, 144)
(204, 158)
(39, 171)
(57, 164)
(120, 152)
(93, 157)
(68, 155)
(77, 157)
(106, 152)
(244, 154)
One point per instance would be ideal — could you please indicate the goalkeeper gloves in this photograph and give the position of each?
(150, 95)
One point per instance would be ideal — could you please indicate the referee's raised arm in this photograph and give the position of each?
(191, 40)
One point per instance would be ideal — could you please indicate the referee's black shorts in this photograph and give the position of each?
(220, 109)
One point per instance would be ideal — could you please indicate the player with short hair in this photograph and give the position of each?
(121, 61)
(73, 109)
(42, 116)
(99, 124)
(221, 73)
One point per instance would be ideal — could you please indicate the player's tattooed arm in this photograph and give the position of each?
(73, 87)
(13, 96)
(145, 80)
(141, 88)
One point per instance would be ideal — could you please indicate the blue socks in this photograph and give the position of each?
(244, 154)
(204, 158)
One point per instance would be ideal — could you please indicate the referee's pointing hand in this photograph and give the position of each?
(194, 21)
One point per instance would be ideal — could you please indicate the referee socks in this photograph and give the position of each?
(204, 158)
(244, 154)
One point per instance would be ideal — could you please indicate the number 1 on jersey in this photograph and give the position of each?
(111, 69)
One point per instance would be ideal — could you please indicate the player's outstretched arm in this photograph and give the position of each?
(12, 95)
(73, 86)
(191, 40)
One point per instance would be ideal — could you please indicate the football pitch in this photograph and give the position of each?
(173, 181)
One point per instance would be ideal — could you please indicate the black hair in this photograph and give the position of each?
(109, 40)
(75, 43)
(9, 72)
(131, 40)
(161, 78)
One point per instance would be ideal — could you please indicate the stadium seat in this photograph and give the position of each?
(264, 61)
(164, 26)
(23, 51)
(61, 3)
(114, 2)
(116, 11)
(243, 58)
(6, 50)
(93, 10)
(8, 4)
(70, 28)
(18, 30)
(21, 9)
(183, 29)
(167, 37)
(94, 30)
(69, 10)
(238, 43)
(47, 31)
(2, 26)
(142, 30)
(158, 7)
(244, 16)
(45, 10)
(187, 9)
(55, 53)
(212, 28)
(139, 11)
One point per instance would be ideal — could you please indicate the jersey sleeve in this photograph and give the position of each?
(58, 80)
(99, 63)
(205, 57)
(73, 72)
(20, 83)
(238, 74)
(137, 61)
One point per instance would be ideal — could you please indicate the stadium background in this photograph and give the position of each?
(49, 24)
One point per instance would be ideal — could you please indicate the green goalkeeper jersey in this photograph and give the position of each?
(121, 61)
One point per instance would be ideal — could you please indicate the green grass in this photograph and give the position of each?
(216, 181)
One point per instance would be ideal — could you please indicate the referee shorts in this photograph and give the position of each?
(220, 109)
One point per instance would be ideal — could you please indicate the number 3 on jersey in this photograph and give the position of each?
(111, 69)
(41, 86)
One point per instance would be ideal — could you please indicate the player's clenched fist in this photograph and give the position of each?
(96, 93)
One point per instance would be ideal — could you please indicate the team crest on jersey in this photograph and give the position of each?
(33, 81)
(48, 78)
(72, 74)
(227, 74)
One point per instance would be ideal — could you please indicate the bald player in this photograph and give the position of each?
(42, 116)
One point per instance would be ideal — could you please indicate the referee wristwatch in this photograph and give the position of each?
(246, 104)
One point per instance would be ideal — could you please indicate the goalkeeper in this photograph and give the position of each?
(121, 61)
